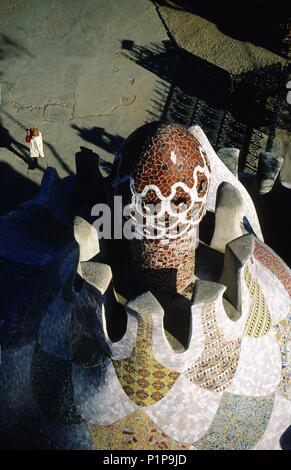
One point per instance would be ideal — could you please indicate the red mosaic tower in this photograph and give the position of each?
(163, 166)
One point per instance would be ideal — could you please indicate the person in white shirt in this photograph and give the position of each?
(36, 145)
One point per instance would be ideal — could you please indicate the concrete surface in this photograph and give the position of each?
(206, 40)
(62, 69)
(224, 44)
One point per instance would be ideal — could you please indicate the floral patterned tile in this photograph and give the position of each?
(134, 432)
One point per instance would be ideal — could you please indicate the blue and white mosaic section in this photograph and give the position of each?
(69, 264)
(25, 294)
(70, 436)
(123, 348)
(99, 396)
(28, 433)
(53, 388)
(53, 331)
(60, 373)
(15, 385)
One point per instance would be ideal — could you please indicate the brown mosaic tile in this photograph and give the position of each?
(168, 155)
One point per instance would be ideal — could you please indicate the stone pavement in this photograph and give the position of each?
(62, 69)
(89, 73)
(248, 42)
(220, 33)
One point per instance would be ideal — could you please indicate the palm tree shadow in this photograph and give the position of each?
(11, 48)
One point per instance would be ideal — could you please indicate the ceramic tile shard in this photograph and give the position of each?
(215, 368)
(283, 336)
(186, 412)
(279, 421)
(99, 396)
(53, 388)
(163, 351)
(271, 261)
(259, 367)
(233, 329)
(142, 377)
(70, 436)
(53, 331)
(134, 432)
(259, 320)
(164, 167)
(15, 385)
(238, 424)
(123, 349)
(276, 295)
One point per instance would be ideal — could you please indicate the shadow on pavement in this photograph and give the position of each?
(260, 22)
(99, 137)
(15, 189)
(190, 90)
(10, 143)
(89, 187)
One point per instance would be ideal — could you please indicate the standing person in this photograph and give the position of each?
(35, 145)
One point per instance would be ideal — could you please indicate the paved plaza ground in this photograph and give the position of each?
(66, 67)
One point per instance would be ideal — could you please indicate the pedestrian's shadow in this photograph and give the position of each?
(10, 143)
